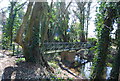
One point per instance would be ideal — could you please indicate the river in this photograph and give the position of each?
(86, 70)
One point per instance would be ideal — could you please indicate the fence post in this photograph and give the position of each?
(13, 45)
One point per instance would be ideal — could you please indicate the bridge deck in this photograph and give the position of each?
(52, 46)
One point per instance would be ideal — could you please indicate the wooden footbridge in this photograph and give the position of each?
(55, 46)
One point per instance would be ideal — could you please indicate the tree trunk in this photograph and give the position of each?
(7, 41)
(81, 17)
(114, 75)
(30, 44)
(87, 19)
(18, 38)
(104, 42)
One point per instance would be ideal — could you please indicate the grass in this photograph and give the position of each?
(20, 60)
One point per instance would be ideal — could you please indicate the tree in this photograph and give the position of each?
(62, 19)
(103, 41)
(9, 28)
(34, 20)
(83, 14)
(114, 75)
(87, 19)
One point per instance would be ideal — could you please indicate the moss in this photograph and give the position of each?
(54, 65)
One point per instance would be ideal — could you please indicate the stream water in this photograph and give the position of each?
(86, 70)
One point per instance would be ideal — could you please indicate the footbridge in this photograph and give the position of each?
(63, 46)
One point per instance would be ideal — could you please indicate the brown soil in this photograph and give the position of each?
(10, 70)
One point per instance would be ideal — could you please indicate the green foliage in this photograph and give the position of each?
(104, 23)
(109, 64)
(75, 32)
(12, 24)
(54, 65)
(99, 20)
(20, 60)
(92, 41)
(61, 79)
(61, 22)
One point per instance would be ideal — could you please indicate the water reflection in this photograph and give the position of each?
(108, 72)
(86, 70)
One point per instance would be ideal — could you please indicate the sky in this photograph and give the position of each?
(3, 3)
(91, 29)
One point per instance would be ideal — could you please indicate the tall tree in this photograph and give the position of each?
(9, 27)
(62, 18)
(83, 14)
(87, 19)
(103, 43)
(21, 30)
(114, 75)
(33, 37)
(7, 30)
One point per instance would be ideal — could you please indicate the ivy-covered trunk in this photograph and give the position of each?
(8, 29)
(114, 75)
(103, 46)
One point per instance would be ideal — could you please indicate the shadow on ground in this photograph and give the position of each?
(21, 72)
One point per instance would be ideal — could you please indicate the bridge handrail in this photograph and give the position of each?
(65, 43)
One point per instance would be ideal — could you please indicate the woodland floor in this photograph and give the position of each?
(9, 69)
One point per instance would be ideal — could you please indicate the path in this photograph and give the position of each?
(6, 61)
